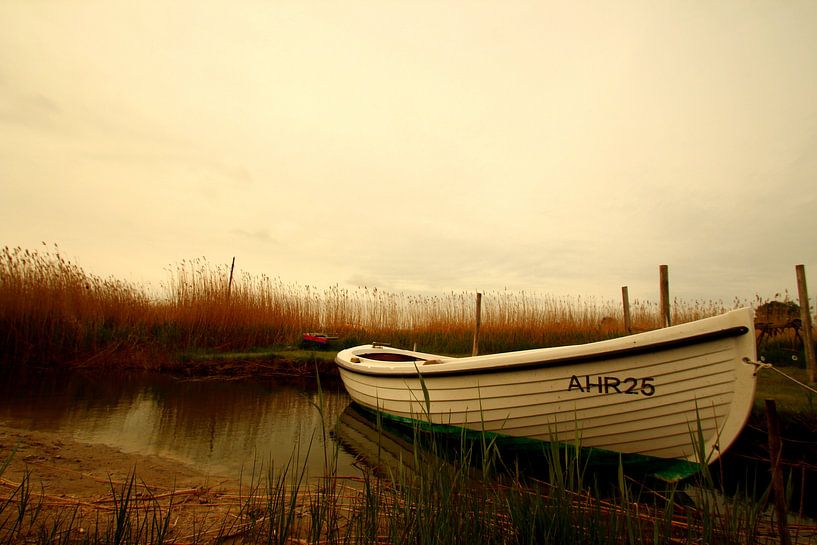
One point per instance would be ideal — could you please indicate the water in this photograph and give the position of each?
(222, 427)
(225, 427)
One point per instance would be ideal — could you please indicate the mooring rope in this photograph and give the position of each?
(763, 365)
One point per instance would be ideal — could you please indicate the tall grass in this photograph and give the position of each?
(53, 311)
(436, 503)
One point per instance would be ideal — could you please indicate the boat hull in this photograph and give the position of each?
(680, 393)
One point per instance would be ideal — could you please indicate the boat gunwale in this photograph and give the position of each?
(602, 355)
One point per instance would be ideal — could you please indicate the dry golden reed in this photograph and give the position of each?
(52, 311)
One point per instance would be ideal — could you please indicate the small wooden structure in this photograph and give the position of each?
(775, 318)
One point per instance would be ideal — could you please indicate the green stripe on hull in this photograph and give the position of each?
(666, 469)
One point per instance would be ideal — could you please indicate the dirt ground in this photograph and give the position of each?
(66, 476)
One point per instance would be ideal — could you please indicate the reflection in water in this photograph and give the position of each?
(403, 451)
(386, 452)
(392, 449)
(222, 427)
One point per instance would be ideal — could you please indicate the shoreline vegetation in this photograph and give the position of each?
(54, 314)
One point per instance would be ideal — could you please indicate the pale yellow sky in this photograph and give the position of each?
(418, 145)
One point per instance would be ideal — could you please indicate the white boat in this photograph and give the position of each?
(672, 398)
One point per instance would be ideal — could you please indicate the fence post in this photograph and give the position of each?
(230, 283)
(775, 458)
(475, 348)
(666, 316)
(625, 300)
(805, 320)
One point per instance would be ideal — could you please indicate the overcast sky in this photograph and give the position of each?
(567, 148)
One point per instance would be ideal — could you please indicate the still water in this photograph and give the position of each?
(222, 427)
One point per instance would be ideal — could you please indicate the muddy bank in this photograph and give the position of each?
(274, 367)
(285, 364)
(64, 474)
(71, 478)
(68, 468)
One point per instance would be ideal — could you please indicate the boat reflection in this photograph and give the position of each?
(391, 450)
(382, 448)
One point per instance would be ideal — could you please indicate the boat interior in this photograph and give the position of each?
(390, 356)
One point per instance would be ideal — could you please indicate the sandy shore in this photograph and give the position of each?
(64, 474)
(67, 467)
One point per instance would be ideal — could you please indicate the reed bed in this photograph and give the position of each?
(52, 311)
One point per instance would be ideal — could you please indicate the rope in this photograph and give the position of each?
(763, 365)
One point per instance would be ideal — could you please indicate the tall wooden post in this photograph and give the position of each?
(475, 349)
(666, 316)
(230, 283)
(625, 300)
(805, 320)
(778, 485)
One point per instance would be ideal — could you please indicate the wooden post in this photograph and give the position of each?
(625, 300)
(475, 349)
(778, 486)
(805, 320)
(230, 283)
(666, 316)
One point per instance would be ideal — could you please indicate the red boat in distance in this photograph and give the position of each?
(318, 339)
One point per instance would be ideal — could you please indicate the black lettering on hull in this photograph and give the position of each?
(604, 384)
